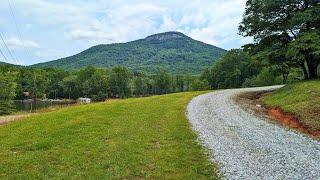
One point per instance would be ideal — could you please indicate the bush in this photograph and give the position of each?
(7, 107)
(265, 78)
(198, 85)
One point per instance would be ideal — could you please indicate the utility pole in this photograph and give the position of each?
(35, 92)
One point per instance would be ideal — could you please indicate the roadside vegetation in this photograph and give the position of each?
(135, 138)
(301, 99)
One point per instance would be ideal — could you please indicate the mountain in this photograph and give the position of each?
(9, 64)
(170, 51)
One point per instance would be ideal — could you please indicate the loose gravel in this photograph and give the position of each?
(251, 147)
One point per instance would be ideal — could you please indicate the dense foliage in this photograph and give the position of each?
(172, 52)
(96, 83)
(286, 34)
(238, 69)
(8, 84)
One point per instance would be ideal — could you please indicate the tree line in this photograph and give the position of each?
(96, 83)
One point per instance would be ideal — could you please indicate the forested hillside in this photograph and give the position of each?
(171, 51)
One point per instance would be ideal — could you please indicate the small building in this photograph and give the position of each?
(84, 100)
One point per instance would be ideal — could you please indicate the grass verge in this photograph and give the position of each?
(148, 138)
(301, 99)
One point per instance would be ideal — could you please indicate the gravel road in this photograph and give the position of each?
(251, 147)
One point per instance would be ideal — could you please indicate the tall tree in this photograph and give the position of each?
(119, 82)
(8, 84)
(267, 19)
(231, 70)
(163, 83)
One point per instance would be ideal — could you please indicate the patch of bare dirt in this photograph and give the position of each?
(254, 102)
(6, 119)
(289, 120)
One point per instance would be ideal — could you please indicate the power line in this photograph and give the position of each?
(15, 22)
(8, 49)
(4, 56)
(17, 27)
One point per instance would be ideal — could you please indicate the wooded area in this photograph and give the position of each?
(96, 83)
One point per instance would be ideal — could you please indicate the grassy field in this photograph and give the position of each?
(301, 99)
(144, 138)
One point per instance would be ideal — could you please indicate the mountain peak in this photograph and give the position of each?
(170, 51)
(165, 36)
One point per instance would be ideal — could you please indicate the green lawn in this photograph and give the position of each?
(301, 99)
(148, 138)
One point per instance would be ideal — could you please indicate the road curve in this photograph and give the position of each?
(251, 147)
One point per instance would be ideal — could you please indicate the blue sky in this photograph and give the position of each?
(52, 29)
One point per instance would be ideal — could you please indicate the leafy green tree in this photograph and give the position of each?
(70, 87)
(83, 77)
(266, 20)
(180, 83)
(163, 83)
(35, 81)
(231, 70)
(119, 82)
(99, 87)
(140, 86)
(55, 76)
(188, 79)
(306, 49)
(265, 78)
(199, 85)
(8, 84)
(271, 51)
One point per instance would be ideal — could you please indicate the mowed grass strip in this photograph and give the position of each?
(144, 138)
(301, 99)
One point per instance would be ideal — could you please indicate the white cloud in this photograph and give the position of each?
(82, 23)
(17, 44)
(51, 54)
(91, 35)
(100, 22)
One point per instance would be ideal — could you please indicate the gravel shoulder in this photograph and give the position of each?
(248, 146)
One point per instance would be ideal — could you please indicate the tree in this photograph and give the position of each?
(200, 85)
(306, 49)
(55, 76)
(180, 83)
(267, 20)
(163, 83)
(35, 81)
(70, 87)
(8, 84)
(265, 78)
(119, 82)
(98, 84)
(140, 86)
(271, 51)
(231, 70)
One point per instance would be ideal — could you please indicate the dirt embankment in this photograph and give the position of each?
(254, 101)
